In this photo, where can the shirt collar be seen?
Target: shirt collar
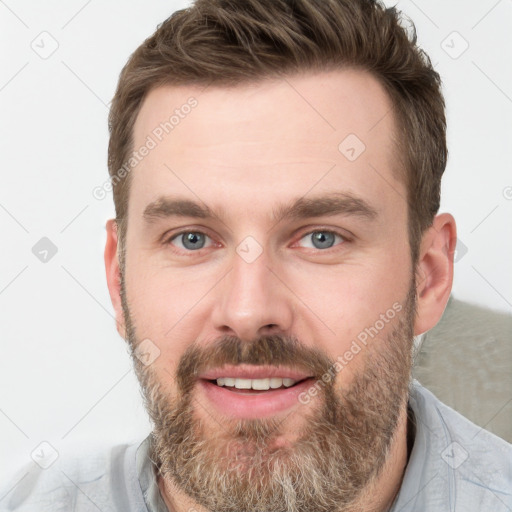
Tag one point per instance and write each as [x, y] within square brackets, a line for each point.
[427, 483]
[147, 474]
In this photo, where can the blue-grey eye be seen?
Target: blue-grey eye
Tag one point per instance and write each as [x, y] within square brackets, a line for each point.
[191, 240]
[320, 240]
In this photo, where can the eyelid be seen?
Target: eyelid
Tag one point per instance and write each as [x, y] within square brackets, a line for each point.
[179, 238]
[171, 234]
[308, 230]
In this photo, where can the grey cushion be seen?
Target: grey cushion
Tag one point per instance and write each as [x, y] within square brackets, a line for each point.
[466, 361]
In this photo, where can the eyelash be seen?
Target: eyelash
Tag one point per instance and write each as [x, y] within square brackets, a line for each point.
[343, 237]
[167, 240]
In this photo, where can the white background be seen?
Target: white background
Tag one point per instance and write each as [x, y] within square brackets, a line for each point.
[65, 374]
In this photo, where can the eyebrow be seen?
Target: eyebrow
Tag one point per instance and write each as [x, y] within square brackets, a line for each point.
[302, 208]
[329, 205]
[165, 207]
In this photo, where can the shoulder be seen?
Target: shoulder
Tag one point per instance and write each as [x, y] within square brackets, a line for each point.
[71, 483]
[474, 465]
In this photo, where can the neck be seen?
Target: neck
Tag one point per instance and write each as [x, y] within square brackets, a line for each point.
[377, 497]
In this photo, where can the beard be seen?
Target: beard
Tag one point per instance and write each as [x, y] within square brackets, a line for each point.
[242, 465]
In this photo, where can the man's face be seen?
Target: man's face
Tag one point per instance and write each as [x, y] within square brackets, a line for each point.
[267, 240]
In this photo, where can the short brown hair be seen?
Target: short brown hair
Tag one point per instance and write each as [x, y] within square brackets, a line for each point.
[230, 42]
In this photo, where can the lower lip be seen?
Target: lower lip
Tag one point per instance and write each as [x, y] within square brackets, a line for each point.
[251, 406]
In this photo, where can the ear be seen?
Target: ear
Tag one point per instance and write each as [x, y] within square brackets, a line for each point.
[434, 272]
[114, 275]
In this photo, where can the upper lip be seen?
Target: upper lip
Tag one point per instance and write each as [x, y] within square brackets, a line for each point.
[253, 372]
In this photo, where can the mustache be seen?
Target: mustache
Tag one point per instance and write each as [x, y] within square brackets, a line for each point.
[272, 350]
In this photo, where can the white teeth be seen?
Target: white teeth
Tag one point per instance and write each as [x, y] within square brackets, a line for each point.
[262, 384]
[228, 381]
[276, 383]
[257, 384]
[243, 383]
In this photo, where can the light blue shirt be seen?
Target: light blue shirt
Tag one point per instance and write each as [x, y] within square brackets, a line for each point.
[454, 466]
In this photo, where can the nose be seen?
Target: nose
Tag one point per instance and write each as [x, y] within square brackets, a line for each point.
[252, 301]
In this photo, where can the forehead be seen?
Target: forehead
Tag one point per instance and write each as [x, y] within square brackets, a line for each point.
[331, 131]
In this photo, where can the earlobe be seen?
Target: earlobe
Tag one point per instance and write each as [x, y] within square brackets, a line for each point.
[434, 272]
[113, 274]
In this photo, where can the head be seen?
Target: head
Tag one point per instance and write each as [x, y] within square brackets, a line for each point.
[276, 171]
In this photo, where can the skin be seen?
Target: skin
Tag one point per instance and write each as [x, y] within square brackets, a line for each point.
[248, 152]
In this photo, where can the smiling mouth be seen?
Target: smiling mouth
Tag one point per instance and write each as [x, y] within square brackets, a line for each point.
[253, 392]
[255, 386]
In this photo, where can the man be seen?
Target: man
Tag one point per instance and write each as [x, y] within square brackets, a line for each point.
[276, 169]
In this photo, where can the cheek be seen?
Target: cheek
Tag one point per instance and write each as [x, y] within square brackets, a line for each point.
[167, 305]
[166, 313]
[339, 303]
